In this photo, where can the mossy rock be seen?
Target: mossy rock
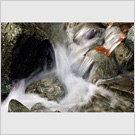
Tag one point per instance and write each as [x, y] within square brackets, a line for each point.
[49, 87]
[16, 106]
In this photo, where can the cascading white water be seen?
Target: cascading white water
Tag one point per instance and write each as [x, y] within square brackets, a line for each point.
[113, 38]
[78, 91]
[71, 65]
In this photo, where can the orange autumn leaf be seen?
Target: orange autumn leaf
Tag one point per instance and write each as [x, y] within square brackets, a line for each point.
[103, 50]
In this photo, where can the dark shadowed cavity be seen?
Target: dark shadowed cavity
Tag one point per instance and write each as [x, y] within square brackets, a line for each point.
[30, 55]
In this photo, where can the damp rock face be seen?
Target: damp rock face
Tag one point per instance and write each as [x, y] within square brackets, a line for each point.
[55, 32]
[24, 45]
[16, 106]
[106, 66]
[130, 39]
[9, 37]
[38, 107]
[122, 85]
[124, 56]
[49, 87]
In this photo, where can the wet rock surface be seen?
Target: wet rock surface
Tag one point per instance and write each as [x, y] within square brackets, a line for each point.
[122, 86]
[49, 87]
[124, 57]
[106, 66]
[16, 106]
[103, 104]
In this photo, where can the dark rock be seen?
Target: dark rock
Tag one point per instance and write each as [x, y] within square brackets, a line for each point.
[130, 39]
[106, 66]
[16, 106]
[49, 87]
[38, 107]
[124, 57]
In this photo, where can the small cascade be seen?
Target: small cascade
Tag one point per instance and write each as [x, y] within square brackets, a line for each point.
[113, 37]
[71, 65]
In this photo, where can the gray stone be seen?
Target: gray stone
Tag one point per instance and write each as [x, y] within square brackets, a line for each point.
[106, 66]
[130, 39]
[16, 106]
[124, 56]
[49, 87]
[122, 86]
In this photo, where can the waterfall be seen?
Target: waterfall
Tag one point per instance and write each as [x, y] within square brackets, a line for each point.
[71, 65]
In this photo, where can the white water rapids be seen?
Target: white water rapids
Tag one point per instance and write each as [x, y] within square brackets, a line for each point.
[71, 65]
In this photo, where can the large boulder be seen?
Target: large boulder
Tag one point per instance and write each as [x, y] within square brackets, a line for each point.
[49, 87]
[106, 66]
[124, 56]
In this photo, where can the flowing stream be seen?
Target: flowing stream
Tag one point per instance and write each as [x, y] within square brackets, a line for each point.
[71, 66]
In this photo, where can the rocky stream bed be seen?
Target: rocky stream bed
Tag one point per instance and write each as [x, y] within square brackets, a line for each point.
[28, 47]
